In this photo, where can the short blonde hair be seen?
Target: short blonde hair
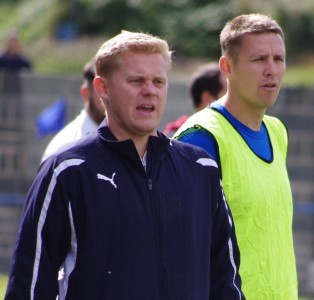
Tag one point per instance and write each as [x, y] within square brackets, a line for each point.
[107, 58]
[232, 34]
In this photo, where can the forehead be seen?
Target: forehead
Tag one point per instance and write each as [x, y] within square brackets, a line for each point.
[263, 43]
[140, 62]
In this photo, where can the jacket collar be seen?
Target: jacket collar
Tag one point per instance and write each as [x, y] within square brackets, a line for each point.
[158, 146]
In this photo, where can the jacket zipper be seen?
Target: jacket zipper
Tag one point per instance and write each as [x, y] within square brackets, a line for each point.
[150, 184]
[156, 231]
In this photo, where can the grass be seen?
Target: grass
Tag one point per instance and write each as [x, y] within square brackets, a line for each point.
[51, 57]
[301, 75]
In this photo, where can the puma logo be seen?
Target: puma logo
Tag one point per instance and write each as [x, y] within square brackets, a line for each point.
[103, 177]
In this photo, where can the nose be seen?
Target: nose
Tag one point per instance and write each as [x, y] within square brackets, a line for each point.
[149, 88]
[271, 68]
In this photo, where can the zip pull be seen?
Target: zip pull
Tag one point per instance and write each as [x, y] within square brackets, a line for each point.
[150, 184]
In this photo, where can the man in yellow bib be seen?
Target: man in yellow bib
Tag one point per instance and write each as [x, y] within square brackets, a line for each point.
[250, 149]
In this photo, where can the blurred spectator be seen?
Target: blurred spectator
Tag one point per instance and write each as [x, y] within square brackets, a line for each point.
[12, 63]
[206, 86]
[12, 59]
[86, 122]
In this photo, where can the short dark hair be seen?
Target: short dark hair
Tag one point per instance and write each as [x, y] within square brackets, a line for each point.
[206, 78]
[232, 34]
[89, 72]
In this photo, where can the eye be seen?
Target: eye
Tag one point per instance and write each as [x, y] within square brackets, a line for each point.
[279, 58]
[135, 81]
[159, 82]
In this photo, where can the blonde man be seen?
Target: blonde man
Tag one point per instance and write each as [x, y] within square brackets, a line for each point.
[119, 216]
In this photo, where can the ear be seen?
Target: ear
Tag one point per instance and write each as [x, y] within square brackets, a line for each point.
[85, 93]
[101, 87]
[225, 65]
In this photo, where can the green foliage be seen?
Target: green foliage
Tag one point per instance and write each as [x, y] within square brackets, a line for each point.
[299, 29]
[32, 18]
[193, 26]
[199, 30]
[111, 18]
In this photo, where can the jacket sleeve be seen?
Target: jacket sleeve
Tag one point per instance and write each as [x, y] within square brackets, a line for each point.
[225, 256]
[42, 242]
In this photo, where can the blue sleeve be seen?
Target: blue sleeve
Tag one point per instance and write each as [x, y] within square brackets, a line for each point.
[200, 137]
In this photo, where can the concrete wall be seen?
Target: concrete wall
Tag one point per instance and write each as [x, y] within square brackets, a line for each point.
[21, 150]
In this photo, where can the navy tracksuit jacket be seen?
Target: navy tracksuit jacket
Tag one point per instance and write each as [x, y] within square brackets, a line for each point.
[96, 225]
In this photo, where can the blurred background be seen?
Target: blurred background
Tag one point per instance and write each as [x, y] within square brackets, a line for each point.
[59, 36]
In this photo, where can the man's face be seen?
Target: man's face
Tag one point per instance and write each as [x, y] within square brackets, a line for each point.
[135, 95]
[13, 45]
[257, 73]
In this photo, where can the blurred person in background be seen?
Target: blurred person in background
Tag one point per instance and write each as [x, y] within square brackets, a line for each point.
[250, 148]
[12, 60]
[13, 63]
[207, 85]
[86, 122]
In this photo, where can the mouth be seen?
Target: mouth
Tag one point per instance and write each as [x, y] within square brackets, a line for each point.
[145, 108]
[269, 85]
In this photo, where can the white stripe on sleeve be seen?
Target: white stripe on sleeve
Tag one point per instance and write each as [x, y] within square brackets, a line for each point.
[43, 214]
[207, 162]
[69, 263]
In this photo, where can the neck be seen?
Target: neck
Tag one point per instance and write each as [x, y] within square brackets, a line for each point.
[141, 147]
[140, 142]
[249, 116]
[139, 138]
